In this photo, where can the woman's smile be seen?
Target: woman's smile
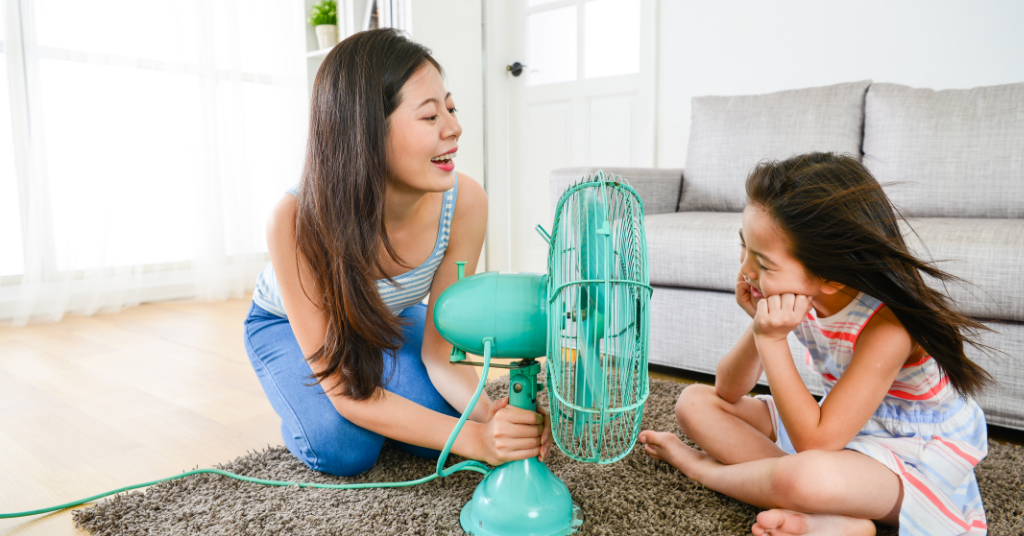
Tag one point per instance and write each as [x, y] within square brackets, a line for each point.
[444, 162]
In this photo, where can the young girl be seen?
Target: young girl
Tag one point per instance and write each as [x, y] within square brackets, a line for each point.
[337, 332]
[897, 435]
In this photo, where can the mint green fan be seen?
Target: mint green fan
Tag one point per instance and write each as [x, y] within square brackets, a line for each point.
[590, 316]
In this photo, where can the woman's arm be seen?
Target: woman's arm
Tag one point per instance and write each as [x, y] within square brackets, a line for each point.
[495, 441]
[308, 322]
[512, 436]
[456, 383]
[882, 348]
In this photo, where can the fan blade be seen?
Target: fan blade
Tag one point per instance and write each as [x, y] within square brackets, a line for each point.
[593, 251]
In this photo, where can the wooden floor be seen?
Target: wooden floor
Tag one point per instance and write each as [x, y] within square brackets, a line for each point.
[92, 404]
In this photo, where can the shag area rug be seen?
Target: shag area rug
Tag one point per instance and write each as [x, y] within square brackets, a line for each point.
[637, 495]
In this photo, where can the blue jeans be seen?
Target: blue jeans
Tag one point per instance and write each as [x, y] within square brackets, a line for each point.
[312, 428]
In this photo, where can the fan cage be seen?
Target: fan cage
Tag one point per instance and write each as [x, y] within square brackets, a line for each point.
[603, 429]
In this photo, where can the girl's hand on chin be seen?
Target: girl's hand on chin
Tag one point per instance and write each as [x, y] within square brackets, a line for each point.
[779, 314]
[743, 297]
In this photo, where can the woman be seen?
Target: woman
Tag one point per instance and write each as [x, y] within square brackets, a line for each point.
[336, 332]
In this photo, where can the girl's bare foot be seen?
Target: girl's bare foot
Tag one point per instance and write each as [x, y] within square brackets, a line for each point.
[779, 522]
[667, 447]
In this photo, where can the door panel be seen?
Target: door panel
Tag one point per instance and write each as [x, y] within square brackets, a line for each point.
[610, 123]
[548, 149]
[585, 98]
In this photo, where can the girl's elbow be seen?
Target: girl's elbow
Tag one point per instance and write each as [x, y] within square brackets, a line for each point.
[727, 392]
[729, 397]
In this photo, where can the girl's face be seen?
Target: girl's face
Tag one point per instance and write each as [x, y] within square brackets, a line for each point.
[765, 262]
[423, 134]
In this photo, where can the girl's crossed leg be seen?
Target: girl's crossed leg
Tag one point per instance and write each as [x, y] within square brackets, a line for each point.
[811, 492]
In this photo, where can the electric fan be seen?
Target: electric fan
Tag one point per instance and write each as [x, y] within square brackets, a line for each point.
[589, 315]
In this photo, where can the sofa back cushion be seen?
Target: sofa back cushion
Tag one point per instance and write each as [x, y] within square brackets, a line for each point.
[953, 153]
[730, 135]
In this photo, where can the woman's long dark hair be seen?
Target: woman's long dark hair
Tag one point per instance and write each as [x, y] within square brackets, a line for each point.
[843, 228]
[339, 223]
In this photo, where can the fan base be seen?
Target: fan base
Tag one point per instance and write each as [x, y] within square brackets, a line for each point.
[470, 528]
[521, 498]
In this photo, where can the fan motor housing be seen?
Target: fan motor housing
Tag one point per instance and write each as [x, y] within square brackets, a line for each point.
[509, 308]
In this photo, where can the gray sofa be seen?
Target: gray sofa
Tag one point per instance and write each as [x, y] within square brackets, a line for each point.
[952, 161]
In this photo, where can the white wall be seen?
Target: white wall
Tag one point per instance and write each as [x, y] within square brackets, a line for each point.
[452, 30]
[742, 47]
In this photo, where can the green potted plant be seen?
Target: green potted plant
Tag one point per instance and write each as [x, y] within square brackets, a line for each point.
[324, 19]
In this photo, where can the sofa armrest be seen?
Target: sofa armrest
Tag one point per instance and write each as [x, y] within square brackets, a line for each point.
[658, 188]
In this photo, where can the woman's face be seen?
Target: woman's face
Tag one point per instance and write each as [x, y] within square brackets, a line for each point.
[423, 134]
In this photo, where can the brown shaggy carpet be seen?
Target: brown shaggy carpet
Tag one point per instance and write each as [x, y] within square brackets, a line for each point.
[637, 495]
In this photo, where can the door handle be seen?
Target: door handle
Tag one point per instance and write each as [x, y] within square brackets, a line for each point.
[516, 68]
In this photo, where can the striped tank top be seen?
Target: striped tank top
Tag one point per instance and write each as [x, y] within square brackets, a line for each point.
[408, 289]
[919, 389]
[923, 430]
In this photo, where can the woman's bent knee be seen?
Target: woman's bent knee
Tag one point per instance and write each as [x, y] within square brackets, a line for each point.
[339, 462]
[323, 449]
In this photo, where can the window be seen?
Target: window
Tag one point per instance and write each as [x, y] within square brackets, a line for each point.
[159, 134]
[610, 45]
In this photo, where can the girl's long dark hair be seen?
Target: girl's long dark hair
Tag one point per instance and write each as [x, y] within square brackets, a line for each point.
[843, 228]
[339, 223]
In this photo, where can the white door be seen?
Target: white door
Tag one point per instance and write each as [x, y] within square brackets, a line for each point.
[584, 98]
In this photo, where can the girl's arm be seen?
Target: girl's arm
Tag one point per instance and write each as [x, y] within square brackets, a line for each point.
[737, 373]
[882, 347]
[509, 436]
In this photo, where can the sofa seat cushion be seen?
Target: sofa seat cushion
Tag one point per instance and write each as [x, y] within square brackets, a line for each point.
[955, 153]
[730, 135]
[701, 250]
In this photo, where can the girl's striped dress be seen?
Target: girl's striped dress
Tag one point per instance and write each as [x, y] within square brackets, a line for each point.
[923, 431]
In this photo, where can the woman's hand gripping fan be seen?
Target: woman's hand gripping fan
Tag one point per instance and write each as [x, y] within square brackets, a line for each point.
[515, 434]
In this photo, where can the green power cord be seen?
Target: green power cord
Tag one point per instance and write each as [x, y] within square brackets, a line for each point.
[468, 465]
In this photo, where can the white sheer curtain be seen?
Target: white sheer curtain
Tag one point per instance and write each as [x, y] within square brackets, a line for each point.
[143, 146]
